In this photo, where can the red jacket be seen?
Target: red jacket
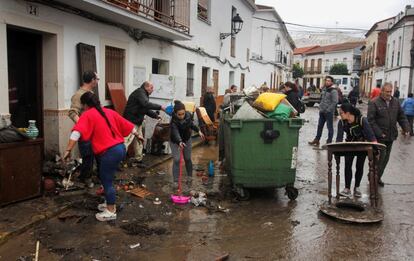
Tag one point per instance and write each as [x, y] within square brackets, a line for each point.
[375, 92]
[92, 126]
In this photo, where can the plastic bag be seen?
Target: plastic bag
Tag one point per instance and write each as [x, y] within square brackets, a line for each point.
[268, 101]
[282, 112]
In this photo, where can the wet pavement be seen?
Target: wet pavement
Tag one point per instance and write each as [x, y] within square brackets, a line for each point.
[267, 227]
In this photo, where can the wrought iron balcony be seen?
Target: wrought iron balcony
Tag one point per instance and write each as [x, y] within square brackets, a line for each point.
[171, 13]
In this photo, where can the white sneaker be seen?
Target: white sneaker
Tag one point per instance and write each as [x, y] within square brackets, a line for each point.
[102, 207]
[106, 215]
[357, 192]
[346, 193]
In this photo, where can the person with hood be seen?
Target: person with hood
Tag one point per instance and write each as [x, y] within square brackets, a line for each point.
[408, 107]
[292, 96]
[106, 130]
[139, 105]
[180, 140]
[357, 128]
[209, 103]
[327, 107]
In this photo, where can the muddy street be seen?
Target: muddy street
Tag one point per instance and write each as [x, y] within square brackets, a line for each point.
[267, 227]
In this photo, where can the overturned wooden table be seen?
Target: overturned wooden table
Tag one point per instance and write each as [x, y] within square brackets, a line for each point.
[365, 213]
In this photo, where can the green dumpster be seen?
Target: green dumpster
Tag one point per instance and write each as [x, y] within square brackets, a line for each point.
[262, 153]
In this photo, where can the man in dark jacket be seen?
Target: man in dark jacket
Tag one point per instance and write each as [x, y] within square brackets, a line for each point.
[353, 96]
[137, 107]
[383, 114]
[327, 107]
[209, 103]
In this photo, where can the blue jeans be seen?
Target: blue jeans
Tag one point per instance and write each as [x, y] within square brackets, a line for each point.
[328, 118]
[85, 150]
[108, 165]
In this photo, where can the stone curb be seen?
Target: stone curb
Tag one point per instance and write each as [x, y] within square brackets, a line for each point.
[37, 219]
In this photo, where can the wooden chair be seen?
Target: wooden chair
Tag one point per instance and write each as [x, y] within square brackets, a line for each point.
[207, 127]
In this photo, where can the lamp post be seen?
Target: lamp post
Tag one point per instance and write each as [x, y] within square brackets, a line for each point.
[236, 26]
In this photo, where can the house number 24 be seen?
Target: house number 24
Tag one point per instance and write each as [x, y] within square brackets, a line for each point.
[33, 10]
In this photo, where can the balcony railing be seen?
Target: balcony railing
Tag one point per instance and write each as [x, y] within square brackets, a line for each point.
[172, 13]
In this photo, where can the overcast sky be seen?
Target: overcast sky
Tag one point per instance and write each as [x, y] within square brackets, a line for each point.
[348, 13]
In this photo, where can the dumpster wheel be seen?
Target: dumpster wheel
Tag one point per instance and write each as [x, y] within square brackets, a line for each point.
[291, 192]
[242, 194]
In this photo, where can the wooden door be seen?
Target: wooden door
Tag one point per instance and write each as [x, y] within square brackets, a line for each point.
[86, 61]
[215, 81]
[242, 81]
[114, 67]
[204, 77]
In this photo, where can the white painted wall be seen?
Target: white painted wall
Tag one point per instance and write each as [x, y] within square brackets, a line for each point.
[263, 43]
[63, 31]
[399, 73]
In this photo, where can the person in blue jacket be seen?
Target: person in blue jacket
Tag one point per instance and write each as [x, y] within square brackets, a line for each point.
[408, 107]
[357, 128]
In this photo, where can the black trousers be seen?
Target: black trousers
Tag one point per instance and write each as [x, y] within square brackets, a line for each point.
[359, 169]
[410, 119]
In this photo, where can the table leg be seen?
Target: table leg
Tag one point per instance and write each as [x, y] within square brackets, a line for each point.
[338, 163]
[376, 178]
[329, 177]
[371, 177]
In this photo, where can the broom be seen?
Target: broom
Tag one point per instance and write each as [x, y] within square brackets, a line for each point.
[179, 198]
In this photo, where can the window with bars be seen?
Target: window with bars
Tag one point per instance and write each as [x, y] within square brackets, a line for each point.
[160, 66]
[190, 79]
[203, 10]
[114, 67]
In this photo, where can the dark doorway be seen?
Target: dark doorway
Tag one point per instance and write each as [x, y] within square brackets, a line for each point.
[204, 77]
[24, 57]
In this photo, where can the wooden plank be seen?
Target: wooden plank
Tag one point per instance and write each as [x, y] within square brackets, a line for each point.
[117, 93]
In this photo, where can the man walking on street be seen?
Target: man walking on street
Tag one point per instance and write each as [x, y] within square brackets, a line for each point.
[383, 114]
[90, 81]
[327, 107]
[137, 107]
[396, 93]
[408, 107]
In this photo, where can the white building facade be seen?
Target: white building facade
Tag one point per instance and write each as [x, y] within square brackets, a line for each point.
[182, 54]
[400, 52]
[271, 49]
[317, 61]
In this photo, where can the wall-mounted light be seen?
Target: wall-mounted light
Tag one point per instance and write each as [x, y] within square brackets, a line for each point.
[236, 26]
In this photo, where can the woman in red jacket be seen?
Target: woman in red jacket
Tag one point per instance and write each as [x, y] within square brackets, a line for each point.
[106, 130]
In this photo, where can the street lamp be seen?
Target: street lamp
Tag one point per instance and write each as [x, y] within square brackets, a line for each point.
[236, 26]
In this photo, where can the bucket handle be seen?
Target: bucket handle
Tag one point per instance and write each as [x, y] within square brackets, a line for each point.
[295, 122]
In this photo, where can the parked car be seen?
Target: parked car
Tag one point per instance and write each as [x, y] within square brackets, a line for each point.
[311, 96]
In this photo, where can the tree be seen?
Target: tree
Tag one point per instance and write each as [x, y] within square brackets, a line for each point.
[339, 69]
[297, 71]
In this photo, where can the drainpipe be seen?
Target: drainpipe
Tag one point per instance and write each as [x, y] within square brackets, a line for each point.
[410, 79]
[401, 55]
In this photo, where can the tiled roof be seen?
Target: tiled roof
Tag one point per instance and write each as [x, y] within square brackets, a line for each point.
[304, 49]
[335, 47]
